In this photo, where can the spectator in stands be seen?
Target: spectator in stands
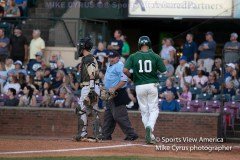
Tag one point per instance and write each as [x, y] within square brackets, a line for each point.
[30, 82]
[37, 44]
[28, 99]
[230, 67]
[38, 79]
[193, 68]
[9, 64]
[73, 82]
[169, 87]
[12, 10]
[44, 65]
[47, 94]
[22, 5]
[163, 43]
[186, 95]
[101, 55]
[11, 100]
[168, 51]
[207, 51]
[78, 74]
[213, 87]
[22, 80]
[2, 5]
[235, 79]
[47, 73]
[182, 65]
[58, 80]
[18, 46]
[3, 75]
[53, 61]
[133, 105]
[79, 66]
[190, 48]
[217, 65]
[64, 100]
[60, 66]
[35, 64]
[4, 43]
[12, 83]
[116, 43]
[126, 47]
[18, 69]
[169, 67]
[200, 64]
[66, 85]
[200, 80]
[186, 77]
[232, 50]
[229, 89]
[169, 103]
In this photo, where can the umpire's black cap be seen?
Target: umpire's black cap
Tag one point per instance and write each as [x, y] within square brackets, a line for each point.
[113, 54]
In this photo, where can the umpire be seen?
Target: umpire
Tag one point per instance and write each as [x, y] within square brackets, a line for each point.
[116, 112]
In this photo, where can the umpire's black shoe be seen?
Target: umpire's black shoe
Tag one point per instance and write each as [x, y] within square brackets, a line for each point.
[132, 138]
[107, 138]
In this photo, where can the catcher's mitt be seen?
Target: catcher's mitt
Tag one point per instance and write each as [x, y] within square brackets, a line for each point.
[106, 95]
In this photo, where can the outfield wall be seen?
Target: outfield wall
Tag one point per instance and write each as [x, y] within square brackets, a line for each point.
[51, 122]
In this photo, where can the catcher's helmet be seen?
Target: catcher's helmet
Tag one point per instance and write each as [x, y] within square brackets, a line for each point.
[85, 43]
[144, 40]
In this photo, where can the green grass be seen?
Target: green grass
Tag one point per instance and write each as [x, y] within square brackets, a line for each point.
[95, 158]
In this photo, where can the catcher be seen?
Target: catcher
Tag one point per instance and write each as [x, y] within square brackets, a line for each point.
[116, 99]
[87, 103]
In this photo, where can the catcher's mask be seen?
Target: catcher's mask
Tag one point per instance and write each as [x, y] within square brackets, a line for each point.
[84, 44]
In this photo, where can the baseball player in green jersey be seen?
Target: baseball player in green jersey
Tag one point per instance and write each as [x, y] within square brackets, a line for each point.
[146, 65]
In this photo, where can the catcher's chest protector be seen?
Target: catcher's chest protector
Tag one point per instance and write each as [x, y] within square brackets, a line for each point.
[87, 61]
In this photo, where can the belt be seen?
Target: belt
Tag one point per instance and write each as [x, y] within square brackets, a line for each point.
[87, 83]
[83, 85]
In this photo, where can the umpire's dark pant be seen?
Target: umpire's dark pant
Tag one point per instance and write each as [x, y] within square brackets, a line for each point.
[116, 114]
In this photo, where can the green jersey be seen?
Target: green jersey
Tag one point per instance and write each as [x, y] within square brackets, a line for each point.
[145, 66]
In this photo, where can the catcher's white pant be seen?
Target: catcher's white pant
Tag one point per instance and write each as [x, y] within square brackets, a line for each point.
[147, 95]
[84, 93]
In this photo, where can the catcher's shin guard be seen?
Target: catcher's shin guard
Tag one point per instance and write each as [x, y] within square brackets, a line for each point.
[97, 127]
[82, 132]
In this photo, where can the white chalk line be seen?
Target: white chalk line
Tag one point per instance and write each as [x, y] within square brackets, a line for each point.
[81, 149]
[68, 150]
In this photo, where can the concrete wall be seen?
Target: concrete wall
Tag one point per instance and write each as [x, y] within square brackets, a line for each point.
[66, 54]
[63, 123]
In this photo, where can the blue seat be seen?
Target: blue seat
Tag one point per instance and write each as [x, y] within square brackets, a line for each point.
[179, 89]
[162, 78]
[204, 96]
[236, 98]
[195, 90]
[224, 97]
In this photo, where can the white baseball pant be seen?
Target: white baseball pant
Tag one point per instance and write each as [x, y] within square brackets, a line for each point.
[147, 95]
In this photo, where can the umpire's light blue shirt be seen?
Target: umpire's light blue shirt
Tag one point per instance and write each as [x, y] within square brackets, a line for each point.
[114, 75]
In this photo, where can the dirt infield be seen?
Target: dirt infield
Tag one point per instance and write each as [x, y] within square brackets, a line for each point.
[32, 147]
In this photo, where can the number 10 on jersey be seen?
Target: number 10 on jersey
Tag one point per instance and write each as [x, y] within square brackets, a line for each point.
[145, 66]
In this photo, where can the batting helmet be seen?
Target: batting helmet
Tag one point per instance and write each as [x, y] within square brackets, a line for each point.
[144, 40]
